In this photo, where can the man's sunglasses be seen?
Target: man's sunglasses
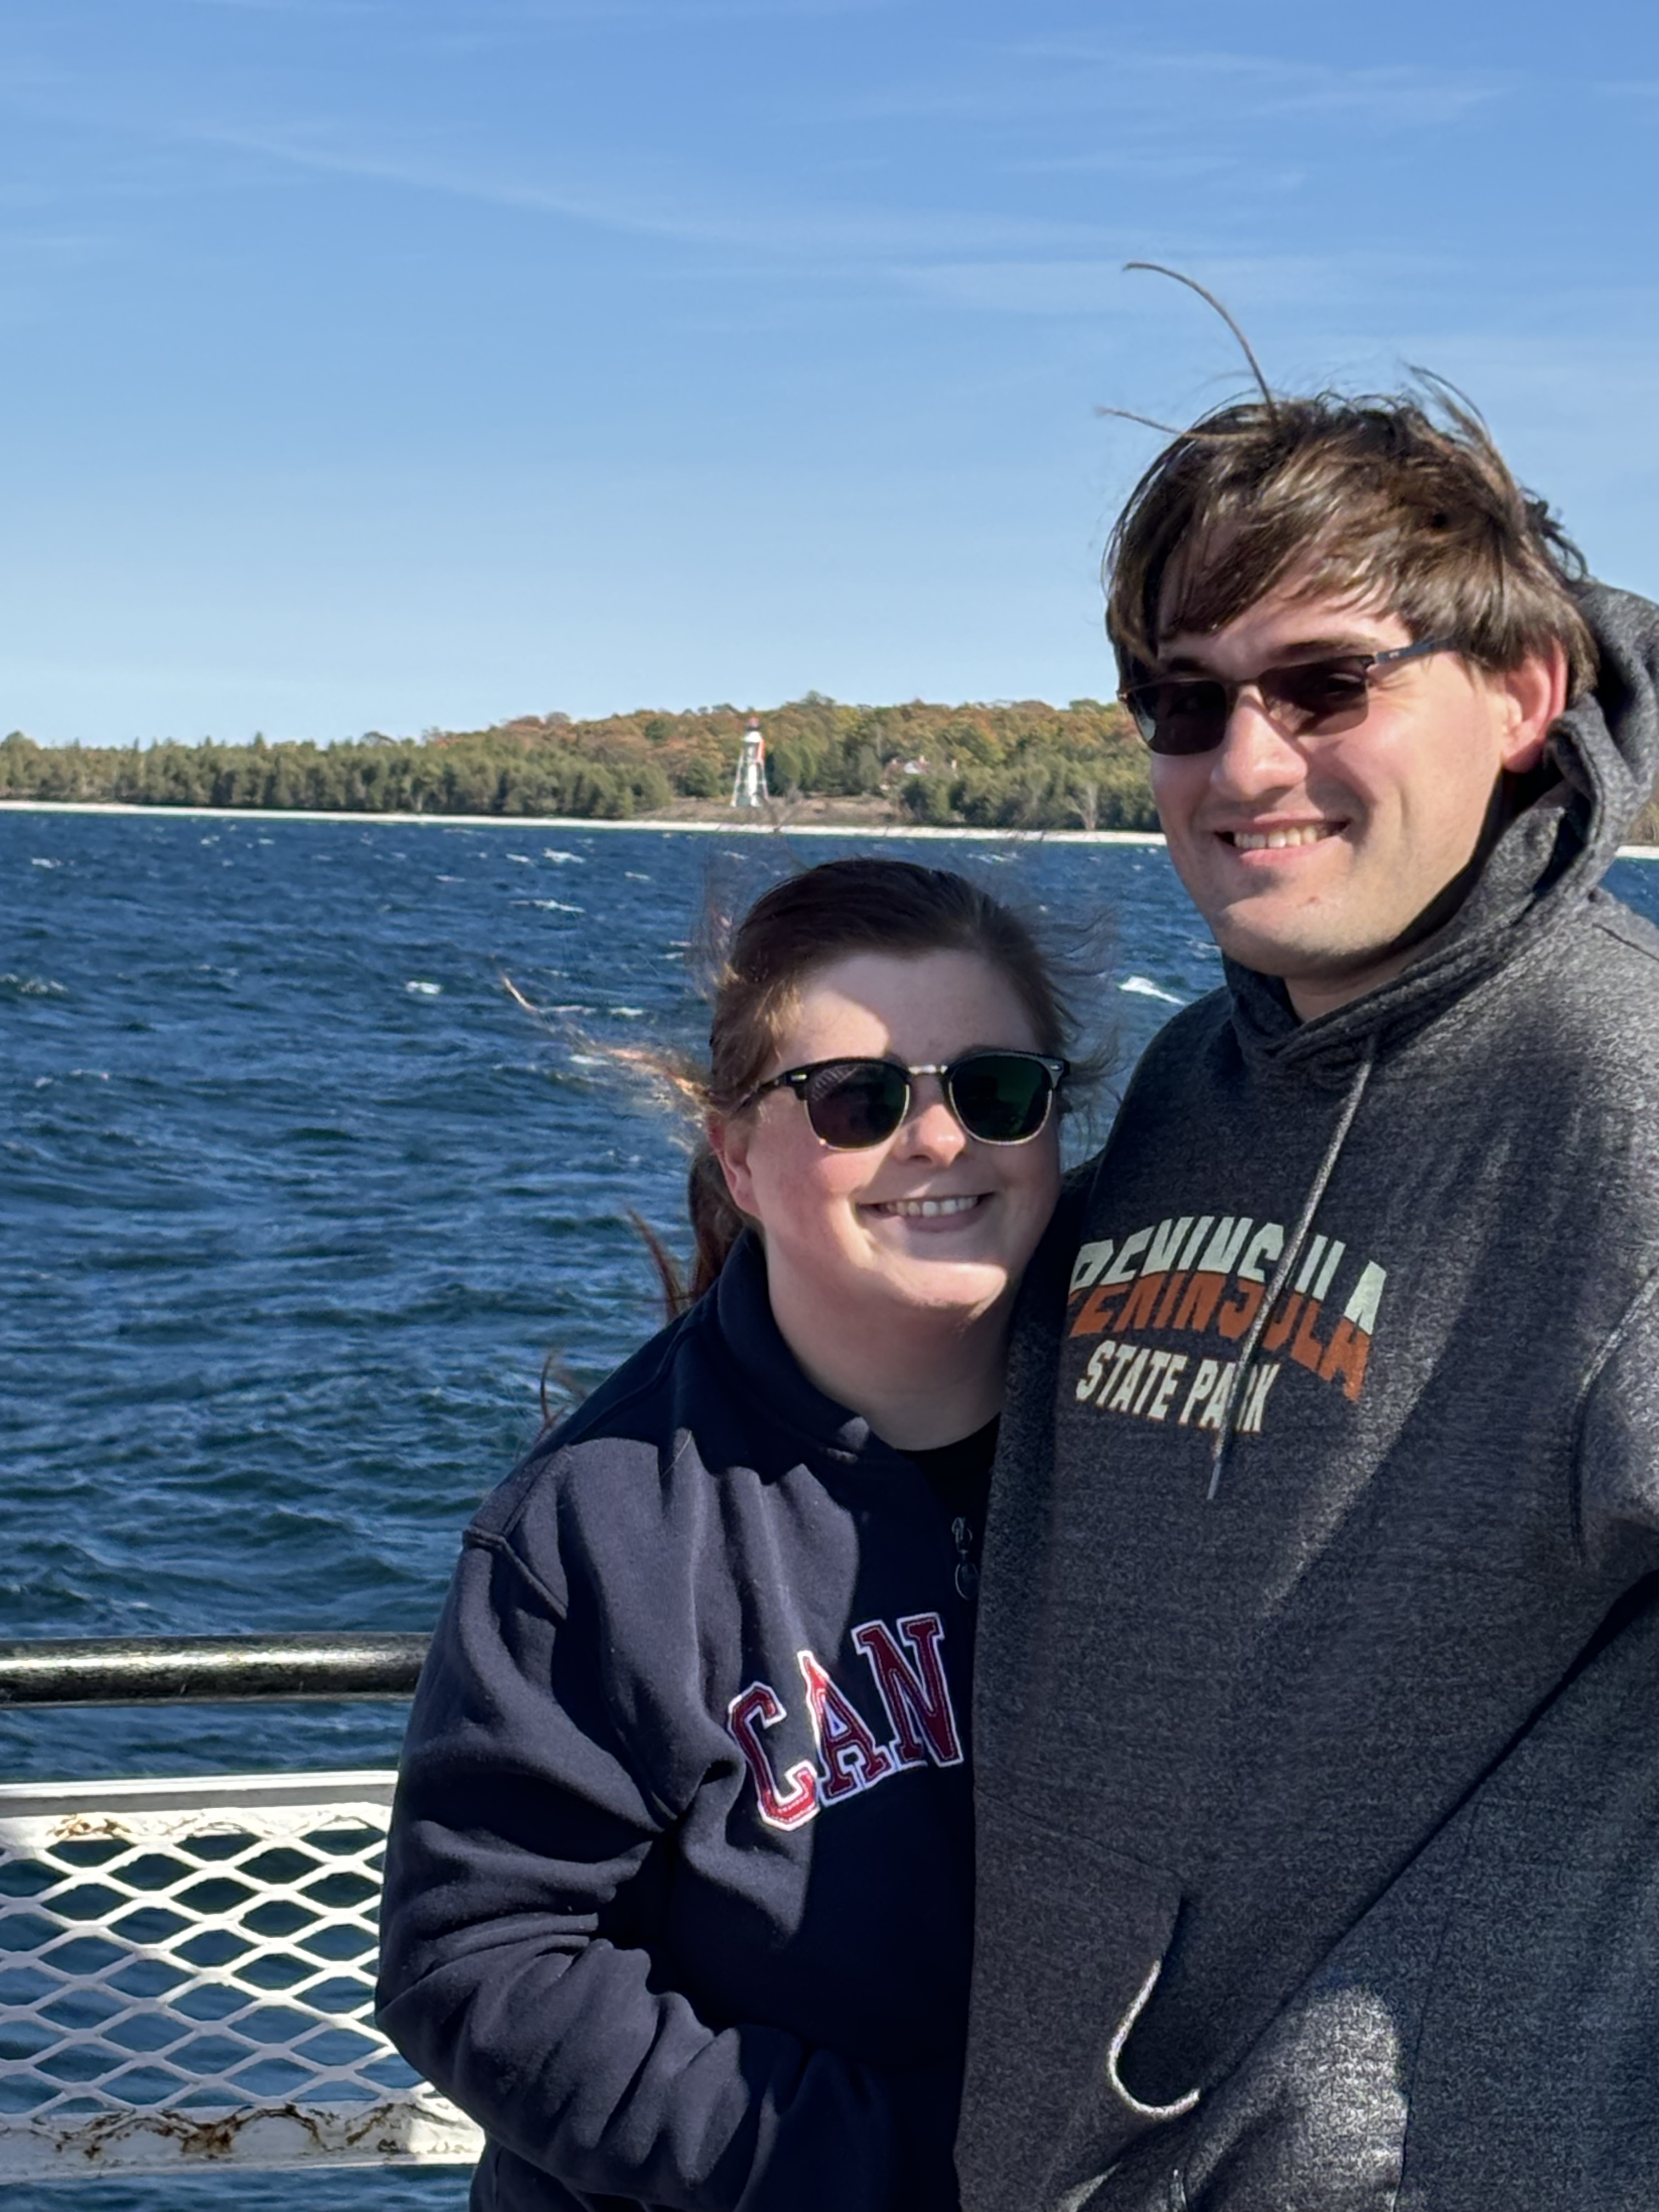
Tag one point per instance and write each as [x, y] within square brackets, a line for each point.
[999, 1097]
[1181, 714]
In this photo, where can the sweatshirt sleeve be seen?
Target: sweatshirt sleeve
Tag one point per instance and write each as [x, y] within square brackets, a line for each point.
[1617, 1455]
[515, 1967]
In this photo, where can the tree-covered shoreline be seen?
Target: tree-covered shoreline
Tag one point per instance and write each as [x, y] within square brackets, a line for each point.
[1022, 765]
[1018, 765]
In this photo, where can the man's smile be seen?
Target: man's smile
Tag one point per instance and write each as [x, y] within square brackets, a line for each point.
[1277, 840]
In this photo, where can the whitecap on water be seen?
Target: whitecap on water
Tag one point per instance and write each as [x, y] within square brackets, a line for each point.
[523, 860]
[563, 859]
[32, 987]
[548, 906]
[1144, 987]
[587, 1060]
[39, 863]
[418, 989]
[629, 1013]
[634, 876]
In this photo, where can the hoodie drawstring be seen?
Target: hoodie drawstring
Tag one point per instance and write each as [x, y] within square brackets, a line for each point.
[1282, 1273]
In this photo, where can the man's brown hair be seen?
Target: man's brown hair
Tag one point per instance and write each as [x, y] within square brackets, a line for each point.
[1399, 502]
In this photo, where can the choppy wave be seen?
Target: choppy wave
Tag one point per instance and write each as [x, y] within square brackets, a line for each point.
[1143, 987]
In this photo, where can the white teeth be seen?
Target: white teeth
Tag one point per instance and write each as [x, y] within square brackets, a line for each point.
[927, 1207]
[1270, 840]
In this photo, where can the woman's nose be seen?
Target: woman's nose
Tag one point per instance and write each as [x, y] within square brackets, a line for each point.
[930, 1130]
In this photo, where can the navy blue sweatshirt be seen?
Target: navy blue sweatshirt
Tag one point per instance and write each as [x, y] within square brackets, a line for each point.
[679, 1892]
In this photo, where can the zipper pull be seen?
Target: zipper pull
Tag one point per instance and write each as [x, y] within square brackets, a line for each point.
[967, 1575]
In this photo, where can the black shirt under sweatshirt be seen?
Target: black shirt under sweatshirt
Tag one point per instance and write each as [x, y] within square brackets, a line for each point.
[678, 1891]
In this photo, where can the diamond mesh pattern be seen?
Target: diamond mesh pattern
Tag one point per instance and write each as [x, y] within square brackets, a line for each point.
[186, 1976]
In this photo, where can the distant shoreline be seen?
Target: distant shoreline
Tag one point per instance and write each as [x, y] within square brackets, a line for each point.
[714, 824]
[734, 823]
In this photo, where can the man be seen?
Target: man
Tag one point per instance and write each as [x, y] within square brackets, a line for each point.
[1317, 1693]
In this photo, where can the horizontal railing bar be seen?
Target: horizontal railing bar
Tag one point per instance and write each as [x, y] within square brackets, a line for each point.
[145, 1670]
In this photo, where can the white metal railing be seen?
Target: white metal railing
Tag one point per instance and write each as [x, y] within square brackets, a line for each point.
[187, 1979]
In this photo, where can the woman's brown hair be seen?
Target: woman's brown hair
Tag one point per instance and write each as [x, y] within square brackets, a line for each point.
[827, 913]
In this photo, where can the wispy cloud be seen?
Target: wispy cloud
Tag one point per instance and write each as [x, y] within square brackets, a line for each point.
[1058, 286]
[1136, 89]
[671, 208]
[1127, 162]
[1400, 95]
[1553, 372]
[696, 11]
[996, 258]
[485, 15]
[316, 10]
[686, 11]
[1017, 287]
[663, 192]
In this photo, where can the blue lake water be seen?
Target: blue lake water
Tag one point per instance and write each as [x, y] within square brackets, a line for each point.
[294, 1200]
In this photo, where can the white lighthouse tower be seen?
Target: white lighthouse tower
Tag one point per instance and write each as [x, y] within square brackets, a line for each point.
[749, 784]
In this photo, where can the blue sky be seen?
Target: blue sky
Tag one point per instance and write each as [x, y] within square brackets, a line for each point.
[393, 363]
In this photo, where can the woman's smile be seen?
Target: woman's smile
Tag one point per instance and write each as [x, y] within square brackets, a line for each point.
[951, 1209]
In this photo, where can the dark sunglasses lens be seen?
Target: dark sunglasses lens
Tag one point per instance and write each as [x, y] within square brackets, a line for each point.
[1320, 696]
[1000, 1098]
[855, 1103]
[1180, 717]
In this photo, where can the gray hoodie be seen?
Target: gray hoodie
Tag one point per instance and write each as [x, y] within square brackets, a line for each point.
[1317, 1708]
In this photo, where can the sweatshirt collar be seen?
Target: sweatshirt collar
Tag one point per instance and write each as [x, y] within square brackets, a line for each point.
[754, 1344]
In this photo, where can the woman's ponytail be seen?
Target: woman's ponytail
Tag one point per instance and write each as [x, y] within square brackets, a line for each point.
[716, 1223]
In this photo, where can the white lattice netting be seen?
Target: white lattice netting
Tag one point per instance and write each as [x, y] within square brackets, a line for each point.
[186, 1976]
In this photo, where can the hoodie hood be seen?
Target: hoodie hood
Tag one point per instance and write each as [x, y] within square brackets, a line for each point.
[1604, 752]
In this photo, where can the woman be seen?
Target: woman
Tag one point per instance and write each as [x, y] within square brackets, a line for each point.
[678, 1891]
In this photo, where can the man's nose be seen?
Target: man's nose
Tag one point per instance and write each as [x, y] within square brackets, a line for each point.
[1254, 754]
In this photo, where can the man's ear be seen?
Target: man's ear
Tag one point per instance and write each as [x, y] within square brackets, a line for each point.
[729, 1143]
[1534, 697]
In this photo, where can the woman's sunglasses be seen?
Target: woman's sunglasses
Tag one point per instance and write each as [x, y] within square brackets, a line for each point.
[1182, 714]
[999, 1097]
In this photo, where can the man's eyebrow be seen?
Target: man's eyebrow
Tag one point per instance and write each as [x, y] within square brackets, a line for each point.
[1304, 648]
